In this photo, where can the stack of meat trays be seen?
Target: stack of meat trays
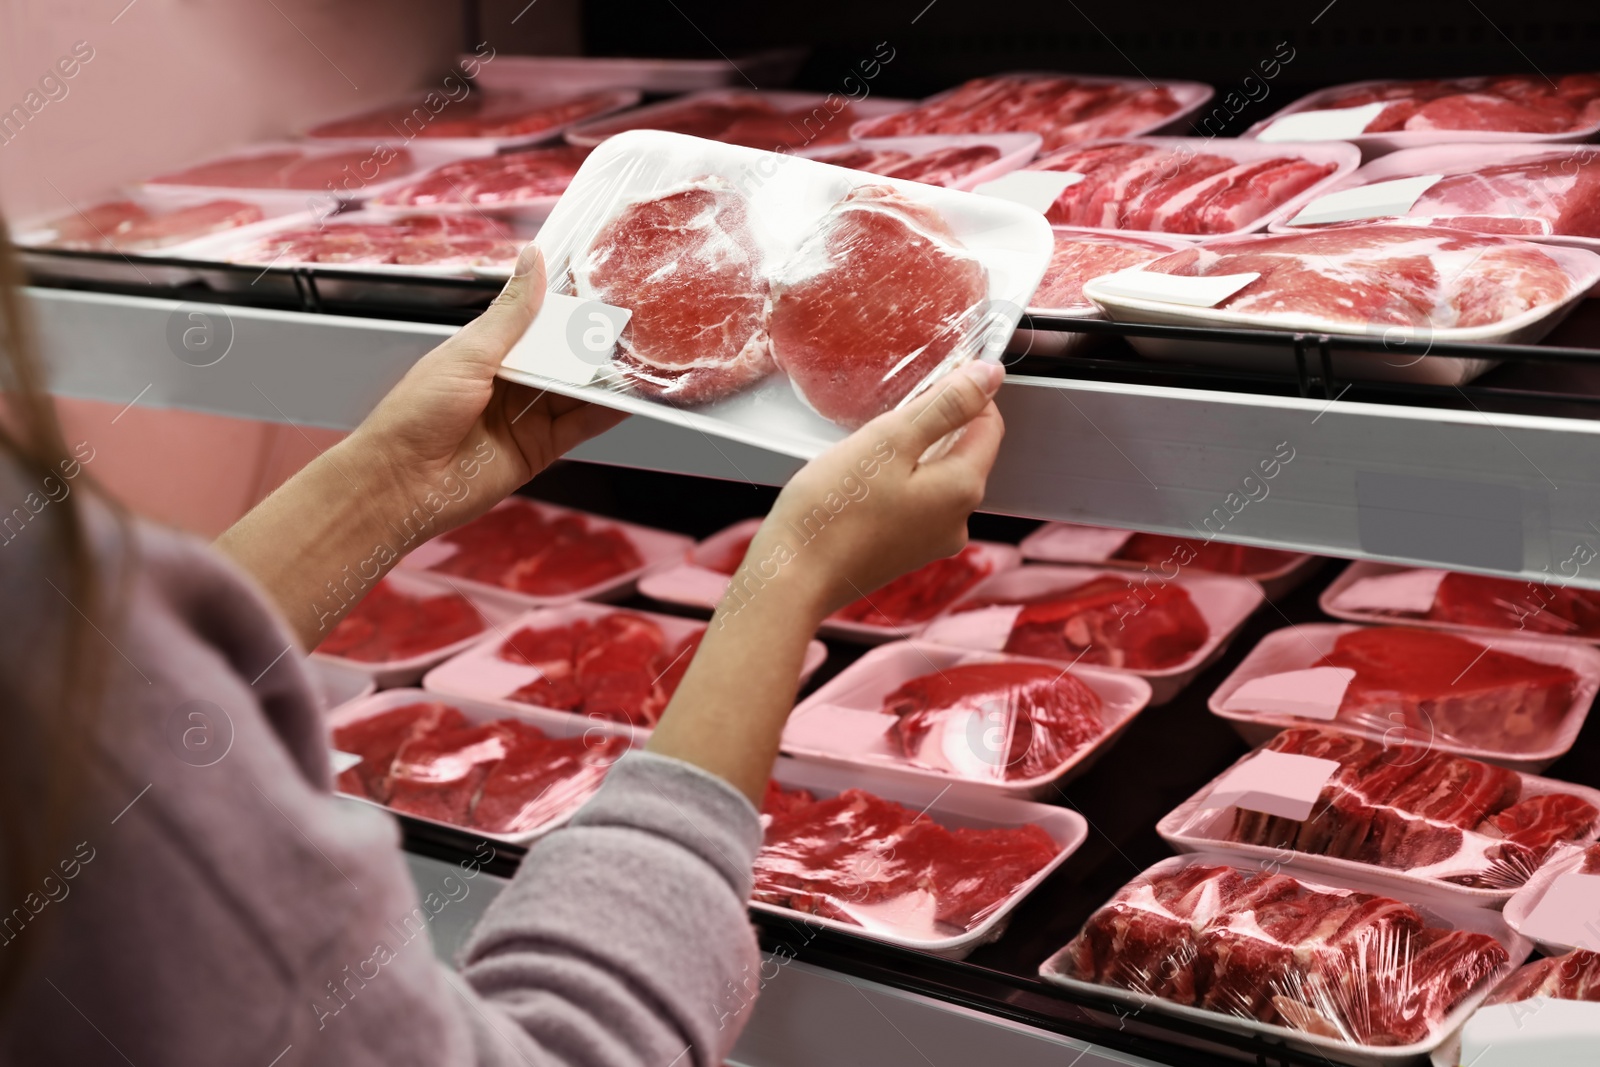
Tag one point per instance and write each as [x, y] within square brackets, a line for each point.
[978, 722]
[602, 663]
[1557, 908]
[955, 161]
[1463, 603]
[1517, 702]
[770, 120]
[1337, 967]
[1402, 814]
[402, 626]
[469, 766]
[1276, 571]
[523, 555]
[1163, 631]
[899, 609]
[902, 862]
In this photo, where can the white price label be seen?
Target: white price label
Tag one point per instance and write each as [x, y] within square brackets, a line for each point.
[1547, 1031]
[1314, 693]
[1410, 591]
[342, 761]
[1068, 542]
[571, 340]
[1036, 189]
[1274, 783]
[1200, 292]
[836, 728]
[430, 554]
[987, 629]
[1568, 913]
[1380, 200]
[686, 583]
[483, 675]
[1335, 124]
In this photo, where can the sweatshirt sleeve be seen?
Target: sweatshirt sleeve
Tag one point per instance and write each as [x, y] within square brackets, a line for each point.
[623, 938]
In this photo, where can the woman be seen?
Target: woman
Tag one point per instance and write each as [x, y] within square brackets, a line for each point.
[178, 903]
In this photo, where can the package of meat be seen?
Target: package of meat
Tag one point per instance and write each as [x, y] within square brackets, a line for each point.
[1543, 193]
[1193, 186]
[1061, 108]
[649, 74]
[1383, 116]
[597, 662]
[1400, 813]
[955, 161]
[774, 300]
[339, 683]
[1340, 968]
[524, 554]
[1163, 631]
[525, 184]
[1513, 701]
[404, 625]
[508, 777]
[1275, 570]
[1559, 908]
[1546, 1013]
[1407, 286]
[899, 609]
[847, 849]
[479, 121]
[307, 177]
[1459, 602]
[778, 121]
[982, 722]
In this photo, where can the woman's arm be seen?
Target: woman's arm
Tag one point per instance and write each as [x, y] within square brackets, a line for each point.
[446, 444]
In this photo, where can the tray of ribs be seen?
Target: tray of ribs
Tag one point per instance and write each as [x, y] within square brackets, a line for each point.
[601, 663]
[902, 862]
[897, 610]
[1517, 702]
[1400, 813]
[470, 766]
[1333, 967]
[1480, 604]
[1276, 571]
[1575, 874]
[403, 626]
[522, 554]
[1163, 631]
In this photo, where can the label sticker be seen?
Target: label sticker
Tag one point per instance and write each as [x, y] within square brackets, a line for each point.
[484, 675]
[1410, 591]
[1380, 200]
[342, 761]
[1274, 783]
[1568, 913]
[1036, 189]
[1548, 1031]
[1314, 693]
[836, 728]
[1334, 124]
[571, 340]
[430, 554]
[1069, 542]
[1136, 284]
[987, 629]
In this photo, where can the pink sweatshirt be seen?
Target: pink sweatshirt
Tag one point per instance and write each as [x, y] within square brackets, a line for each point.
[223, 908]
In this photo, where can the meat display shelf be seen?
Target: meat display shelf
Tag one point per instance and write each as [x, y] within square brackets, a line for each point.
[1501, 476]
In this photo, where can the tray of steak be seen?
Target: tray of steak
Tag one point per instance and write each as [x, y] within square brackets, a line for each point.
[773, 120]
[1401, 813]
[403, 626]
[901, 861]
[526, 184]
[1163, 631]
[1332, 967]
[1516, 702]
[476, 122]
[1465, 603]
[955, 161]
[1275, 570]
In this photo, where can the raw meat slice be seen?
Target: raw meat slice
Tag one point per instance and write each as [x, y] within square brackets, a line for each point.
[686, 263]
[1422, 823]
[779, 131]
[482, 114]
[877, 300]
[1512, 104]
[1079, 257]
[1574, 976]
[618, 668]
[437, 774]
[972, 872]
[1110, 621]
[389, 625]
[1538, 823]
[464, 240]
[1042, 715]
[260, 170]
[1482, 111]
[945, 166]
[294, 168]
[379, 738]
[1365, 276]
[871, 160]
[1212, 556]
[122, 225]
[920, 595]
[541, 778]
[498, 180]
[1436, 686]
[515, 547]
[1513, 604]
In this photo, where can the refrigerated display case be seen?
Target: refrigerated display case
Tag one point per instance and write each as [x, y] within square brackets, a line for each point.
[1496, 474]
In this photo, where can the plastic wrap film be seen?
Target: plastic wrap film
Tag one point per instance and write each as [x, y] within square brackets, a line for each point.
[1511, 104]
[1405, 808]
[501, 777]
[389, 625]
[1572, 976]
[506, 180]
[1262, 945]
[541, 551]
[860, 859]
[620, 667]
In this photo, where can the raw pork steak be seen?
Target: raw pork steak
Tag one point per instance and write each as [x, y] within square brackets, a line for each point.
[878, 298]
[685, 262]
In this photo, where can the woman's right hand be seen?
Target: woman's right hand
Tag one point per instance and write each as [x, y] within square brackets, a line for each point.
[872, 508]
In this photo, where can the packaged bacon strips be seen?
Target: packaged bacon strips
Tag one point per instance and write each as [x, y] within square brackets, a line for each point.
[770, 299]
[1323, 963]
[1469, 828]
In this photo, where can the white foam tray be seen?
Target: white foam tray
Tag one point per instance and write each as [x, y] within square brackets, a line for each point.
[864, 684]
[1066, 827]
[338, 684]
[1522, 903]
[1435, 910]
[593, 132]
[1223, 601]
[1299, 647]
[1016, 149]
